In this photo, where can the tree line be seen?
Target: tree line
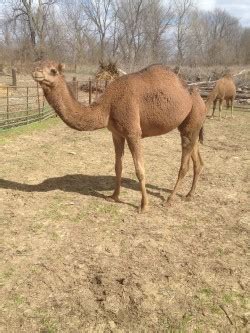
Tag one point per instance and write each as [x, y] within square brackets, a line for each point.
[133, 32]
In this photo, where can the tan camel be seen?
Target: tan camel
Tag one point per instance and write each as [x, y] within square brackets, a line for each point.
[151, 102]
[224, 90]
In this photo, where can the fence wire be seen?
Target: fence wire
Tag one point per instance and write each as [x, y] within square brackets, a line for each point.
[23, 105]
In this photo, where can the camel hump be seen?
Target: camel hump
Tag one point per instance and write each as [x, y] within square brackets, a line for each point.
[193, 90]
[156, 68]
[228, 76]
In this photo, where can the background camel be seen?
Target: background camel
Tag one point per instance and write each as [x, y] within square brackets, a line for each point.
[150, 102]
[224, 90]
[107, 71]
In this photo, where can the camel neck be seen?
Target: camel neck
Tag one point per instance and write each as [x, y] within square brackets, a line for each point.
[73, 113]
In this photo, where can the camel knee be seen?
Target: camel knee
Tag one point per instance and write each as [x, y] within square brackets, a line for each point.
[183, 170]
[140, 174]
[198, 168]
[118, 166]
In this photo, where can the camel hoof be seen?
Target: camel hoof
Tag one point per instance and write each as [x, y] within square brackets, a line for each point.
[142, 210]
[112, 198]
[168, 202]
[188, 197]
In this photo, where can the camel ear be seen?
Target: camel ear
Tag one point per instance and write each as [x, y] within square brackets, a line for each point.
[61, 68]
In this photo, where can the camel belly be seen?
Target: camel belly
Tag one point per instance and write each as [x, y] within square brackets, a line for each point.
[162, 121]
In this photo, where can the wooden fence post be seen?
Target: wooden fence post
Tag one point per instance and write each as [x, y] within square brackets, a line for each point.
[90, 91]
[7, 109]
[96, 89]
[14, 81]
[27, 105]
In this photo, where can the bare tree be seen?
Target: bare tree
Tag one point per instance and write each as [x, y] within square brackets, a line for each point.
[33, 14]
[135, 32]
[245, 46]
[131, 34]
[157, 20]
[100, 14]
[182, 11]
[223, 34]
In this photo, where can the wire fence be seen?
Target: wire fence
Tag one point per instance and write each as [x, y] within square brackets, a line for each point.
[20, 105]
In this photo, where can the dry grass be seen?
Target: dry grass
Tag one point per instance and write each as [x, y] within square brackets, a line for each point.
[73, 262]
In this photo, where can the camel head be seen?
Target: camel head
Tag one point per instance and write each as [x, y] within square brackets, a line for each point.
[48, 73]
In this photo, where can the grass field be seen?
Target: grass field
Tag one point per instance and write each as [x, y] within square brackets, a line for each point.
[73, 262]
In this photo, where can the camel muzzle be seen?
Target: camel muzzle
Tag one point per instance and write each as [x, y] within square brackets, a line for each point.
[38, 76]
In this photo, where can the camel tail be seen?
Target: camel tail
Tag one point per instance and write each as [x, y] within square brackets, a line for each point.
[201, 135]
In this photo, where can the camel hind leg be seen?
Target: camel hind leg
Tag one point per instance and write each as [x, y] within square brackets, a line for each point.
[197, 166]
[119, 152]
[228, 105]
[135, 147]
[187, 143]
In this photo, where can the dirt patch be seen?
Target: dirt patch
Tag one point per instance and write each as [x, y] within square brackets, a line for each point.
[73, 262]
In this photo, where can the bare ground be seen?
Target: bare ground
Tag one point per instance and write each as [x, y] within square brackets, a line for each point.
[73, 262]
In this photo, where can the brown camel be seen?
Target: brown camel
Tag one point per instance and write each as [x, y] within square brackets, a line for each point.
[224, 90]
[150, 102]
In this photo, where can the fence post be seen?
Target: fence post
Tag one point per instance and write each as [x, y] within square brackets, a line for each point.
[90, 91]
[38, 101]
[14, 82]
[7, 109]
[96, 89]
[77, 96]
[43, 103]
[74, 87]
[27, 105]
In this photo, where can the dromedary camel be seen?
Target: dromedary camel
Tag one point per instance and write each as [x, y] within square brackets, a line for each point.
[150, 102]
[224, 90]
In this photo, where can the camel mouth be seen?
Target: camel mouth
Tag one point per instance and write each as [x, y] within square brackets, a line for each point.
[38, 77]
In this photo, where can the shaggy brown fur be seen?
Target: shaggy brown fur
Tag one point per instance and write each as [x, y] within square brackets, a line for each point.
[107, 71]
[151, 102]
[224, 90]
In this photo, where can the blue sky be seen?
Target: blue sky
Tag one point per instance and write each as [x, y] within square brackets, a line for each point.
[237, 8]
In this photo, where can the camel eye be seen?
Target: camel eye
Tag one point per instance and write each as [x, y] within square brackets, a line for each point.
[53, 71]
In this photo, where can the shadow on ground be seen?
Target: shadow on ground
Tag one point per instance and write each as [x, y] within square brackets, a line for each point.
[82, 184]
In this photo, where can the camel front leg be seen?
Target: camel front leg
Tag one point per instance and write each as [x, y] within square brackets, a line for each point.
[232, 108]
[227, 101]
[220, 107]
[119, 142]
[135, 147]
[214, 107]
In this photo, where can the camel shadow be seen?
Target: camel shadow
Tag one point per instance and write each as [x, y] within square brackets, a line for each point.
[82, 184]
